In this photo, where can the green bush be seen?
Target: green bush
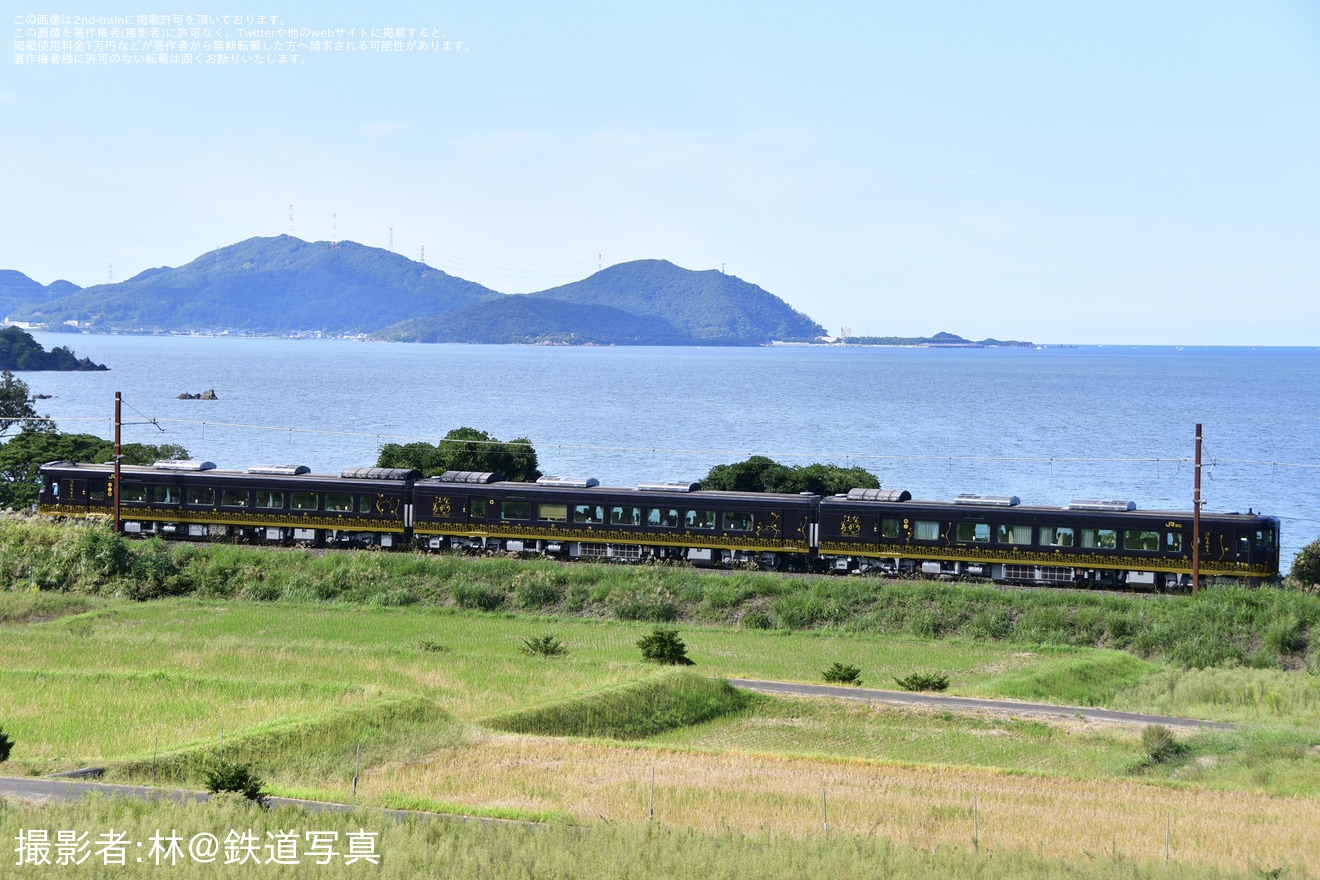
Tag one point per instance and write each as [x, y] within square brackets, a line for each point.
[646, 602]
[537, 588]
[544, 646]
[664, 646]
[838, 673]
[6, 746]
[432, 646]
[1159, 744]
[478, 595]
[756, 619]
[230, 776]
[923, 681]
[1305, 574]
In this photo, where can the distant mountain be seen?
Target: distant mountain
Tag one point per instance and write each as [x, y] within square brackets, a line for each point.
[21, 353]
[939, 340]
[17, 291]
[711, 307]
[525, 319]
[283, 285]
[267, 285]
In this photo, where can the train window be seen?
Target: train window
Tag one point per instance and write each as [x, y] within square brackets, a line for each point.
[515, 510]
[338, 502]
[133, 493]
[1104, 539]
[201, 495]
[667, 518]
[234, 498]
[1137, 539]
[1243, 542]
[889, 526]
[366, 504]
[96, 489]
[700, 519]
[166, 494]
[588, 513]
[626, 516]
[303, 501]
[1014, 534]
[552, 512]
[270, 499]
[1056, 536]
[1173, 542]
[737, 521]
[1265, 538]
[925, 530]
[970, 531]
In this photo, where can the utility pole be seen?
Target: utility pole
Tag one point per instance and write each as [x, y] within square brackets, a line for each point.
[119, 399]
[1196, 518]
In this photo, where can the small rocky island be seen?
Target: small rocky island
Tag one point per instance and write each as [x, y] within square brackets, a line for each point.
[20, 352]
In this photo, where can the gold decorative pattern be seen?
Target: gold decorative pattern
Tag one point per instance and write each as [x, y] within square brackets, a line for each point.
[1057, 558]
[851, 527]
[441, 508]
[207, 517]
[612, 536]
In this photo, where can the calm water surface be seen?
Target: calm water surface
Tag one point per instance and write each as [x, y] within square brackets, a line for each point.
[1047, 425]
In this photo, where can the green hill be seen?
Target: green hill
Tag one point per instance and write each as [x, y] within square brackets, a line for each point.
[17, 291]
[528, 320]
[268, 285]
[709, 306]
[20, 352]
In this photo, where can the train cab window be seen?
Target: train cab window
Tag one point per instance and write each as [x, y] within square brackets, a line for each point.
[625, 516]
[925, 530]
[1173, 542]
[1265, 539]
[201, 496]
[1138, 539]
[552, 512]
[700, 519]
[889, 527]
[96, 489]
[515, 510]
[591, 514]
[338, 502]
[166, 494]
[132, 494]
[270, 499]
[1056, 536]
[1014, 534]
[234, 498]
[1102, 539]
[974, 532]
[663, 517]
[737, 521]
[303, 501]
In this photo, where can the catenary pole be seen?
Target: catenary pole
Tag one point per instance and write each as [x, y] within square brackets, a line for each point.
[1196, 518]
[119, 399]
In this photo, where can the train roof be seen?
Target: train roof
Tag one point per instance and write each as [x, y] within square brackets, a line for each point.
[1003, 504]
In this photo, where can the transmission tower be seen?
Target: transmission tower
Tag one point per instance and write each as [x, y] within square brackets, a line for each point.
[290, 221]
[334, 232]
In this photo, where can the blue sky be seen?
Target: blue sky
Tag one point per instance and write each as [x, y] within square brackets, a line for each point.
[1063, 172]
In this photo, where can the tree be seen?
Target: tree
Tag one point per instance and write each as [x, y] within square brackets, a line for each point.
[466, 449]
[761, 474]
[6, 746]
[15, 407]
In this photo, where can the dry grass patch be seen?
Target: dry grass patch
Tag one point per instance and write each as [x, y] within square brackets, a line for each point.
[925, 807]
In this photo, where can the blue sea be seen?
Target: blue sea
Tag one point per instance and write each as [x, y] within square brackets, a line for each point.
[1048, 424]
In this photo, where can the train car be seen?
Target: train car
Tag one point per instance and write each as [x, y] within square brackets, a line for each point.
[580, 519]
[266, 503]
[1086, 543]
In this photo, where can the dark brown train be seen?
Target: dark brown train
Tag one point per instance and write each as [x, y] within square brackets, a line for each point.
[1086, 543]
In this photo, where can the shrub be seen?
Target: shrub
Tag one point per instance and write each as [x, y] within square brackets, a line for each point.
[924, 681]
[544, 646]
[646, 602]
[6, 746]
[756, 619]
[1159, 744]
[664, 646]
[1305, 572]
[538, 588]
[482, 596]
[231, 776]
[432, 646]
[838, 673]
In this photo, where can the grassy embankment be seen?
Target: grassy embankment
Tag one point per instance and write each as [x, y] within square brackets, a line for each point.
[296, 685]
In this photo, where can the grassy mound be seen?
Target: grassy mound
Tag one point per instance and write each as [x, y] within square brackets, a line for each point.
[319, 748]
[633, 711]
